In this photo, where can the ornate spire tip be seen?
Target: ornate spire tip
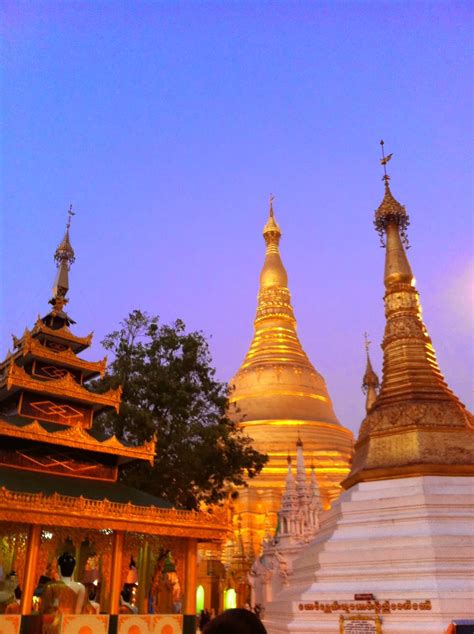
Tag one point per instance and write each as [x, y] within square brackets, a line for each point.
[272, 198]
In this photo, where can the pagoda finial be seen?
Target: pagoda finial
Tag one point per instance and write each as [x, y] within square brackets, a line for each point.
[390, 211]
[370, 382]
[299, 442]
[271, 231]
[65, 253]
[383, 161]
[64, 256]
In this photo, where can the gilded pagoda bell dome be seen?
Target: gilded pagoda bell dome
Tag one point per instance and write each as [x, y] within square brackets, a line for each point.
[276, 379]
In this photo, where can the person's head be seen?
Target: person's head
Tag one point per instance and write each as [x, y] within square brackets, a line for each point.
[66, 563]
[17, 592]
[235, 621]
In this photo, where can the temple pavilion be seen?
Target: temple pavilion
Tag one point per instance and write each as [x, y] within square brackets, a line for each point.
[59, 479]
[278, 396]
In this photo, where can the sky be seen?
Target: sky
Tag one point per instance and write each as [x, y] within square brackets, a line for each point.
[168, 124]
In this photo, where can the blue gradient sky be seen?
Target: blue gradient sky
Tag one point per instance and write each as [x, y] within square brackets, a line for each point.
[167, 124]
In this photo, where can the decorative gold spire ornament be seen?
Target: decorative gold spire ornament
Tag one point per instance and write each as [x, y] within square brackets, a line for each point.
[416, 425]
[64, 256]
[370, 382]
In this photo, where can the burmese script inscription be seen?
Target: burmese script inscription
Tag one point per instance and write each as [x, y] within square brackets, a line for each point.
[360, 624]
[359, 627]
[383, 606]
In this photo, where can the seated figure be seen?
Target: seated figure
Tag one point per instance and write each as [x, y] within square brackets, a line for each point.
[62, 597]
[126, 606]
[14, 606]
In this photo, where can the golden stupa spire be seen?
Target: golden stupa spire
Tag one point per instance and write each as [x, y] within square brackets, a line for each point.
[276, 379]
[416, 425]
[370, 382]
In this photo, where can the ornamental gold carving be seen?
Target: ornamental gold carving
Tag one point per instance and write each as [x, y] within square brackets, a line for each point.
[407, 300]
[427, 414]
[64, 387]
[407, 326]
[63, 510]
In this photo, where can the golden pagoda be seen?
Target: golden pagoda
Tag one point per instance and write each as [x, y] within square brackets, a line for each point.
[59, 477]
[416, 425]
[277, 394]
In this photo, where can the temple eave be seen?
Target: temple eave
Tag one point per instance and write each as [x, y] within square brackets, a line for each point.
[78, 438]
[61, 510]
[18, 379]
[80, 343]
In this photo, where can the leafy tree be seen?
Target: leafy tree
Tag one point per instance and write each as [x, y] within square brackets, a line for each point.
[170, 390]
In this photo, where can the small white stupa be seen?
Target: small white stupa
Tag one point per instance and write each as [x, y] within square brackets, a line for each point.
[298, 523]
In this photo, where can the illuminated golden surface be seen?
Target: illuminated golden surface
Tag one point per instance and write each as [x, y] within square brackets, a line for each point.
[64, 510]
[17, 377]
[416, 425]
[76, 436]
[277, 393]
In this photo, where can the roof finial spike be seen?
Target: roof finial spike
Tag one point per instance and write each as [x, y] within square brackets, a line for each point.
[70, 213]
[383, 161]
[299, 442]
[272, 198]
[367, 343]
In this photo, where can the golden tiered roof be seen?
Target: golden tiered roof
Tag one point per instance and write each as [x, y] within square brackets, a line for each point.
[416, 425]
[276, 379]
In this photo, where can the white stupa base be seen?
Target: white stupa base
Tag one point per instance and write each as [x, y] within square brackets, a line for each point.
[407, 541]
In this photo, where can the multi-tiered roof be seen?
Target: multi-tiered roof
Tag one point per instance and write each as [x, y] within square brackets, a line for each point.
[54, 464]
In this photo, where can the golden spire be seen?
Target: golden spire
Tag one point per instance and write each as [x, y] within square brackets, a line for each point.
[64, 257]
[416, 425]
[370, 382]
[276, 379]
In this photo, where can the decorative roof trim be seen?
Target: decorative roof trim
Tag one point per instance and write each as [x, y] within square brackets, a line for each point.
[65, 387]
[29, 345]
[77, 437]
[64, 510]
[63, 333]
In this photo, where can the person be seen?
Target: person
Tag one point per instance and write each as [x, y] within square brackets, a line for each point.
[204, 619]
[235, 621]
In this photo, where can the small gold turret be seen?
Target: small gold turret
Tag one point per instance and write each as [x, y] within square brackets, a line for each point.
[370, 382]
[416, 425]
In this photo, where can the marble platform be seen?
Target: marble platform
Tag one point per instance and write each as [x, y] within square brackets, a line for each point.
[407, 541]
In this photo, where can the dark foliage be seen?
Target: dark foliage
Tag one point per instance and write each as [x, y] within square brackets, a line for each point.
[170, 390]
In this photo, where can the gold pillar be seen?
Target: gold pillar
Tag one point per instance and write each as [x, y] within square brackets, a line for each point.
[116, 571]
[31, 564]
[190, 577]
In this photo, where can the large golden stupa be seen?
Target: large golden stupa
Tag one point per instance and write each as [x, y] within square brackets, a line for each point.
[278, 397]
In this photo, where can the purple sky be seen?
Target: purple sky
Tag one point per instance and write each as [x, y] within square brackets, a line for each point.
[167, 124]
